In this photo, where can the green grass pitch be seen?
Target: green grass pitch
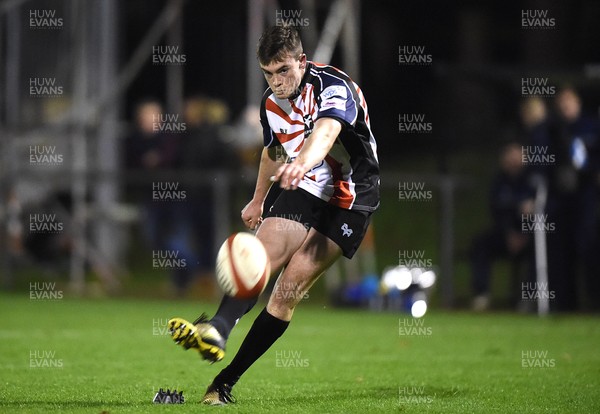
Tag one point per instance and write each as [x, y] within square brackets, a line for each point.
[109, 355]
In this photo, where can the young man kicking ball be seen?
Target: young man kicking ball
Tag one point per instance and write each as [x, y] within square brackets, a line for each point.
[317, 116]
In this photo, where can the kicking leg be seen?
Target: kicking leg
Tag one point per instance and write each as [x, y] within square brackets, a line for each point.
[279, 251]
[281, 239]
[313, 257]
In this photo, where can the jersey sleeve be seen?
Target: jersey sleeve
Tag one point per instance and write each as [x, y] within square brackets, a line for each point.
[337, 101]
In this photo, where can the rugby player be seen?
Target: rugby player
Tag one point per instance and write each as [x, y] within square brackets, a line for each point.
[320, 150]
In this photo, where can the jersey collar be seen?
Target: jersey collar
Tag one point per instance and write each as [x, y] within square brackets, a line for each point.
[303, 82]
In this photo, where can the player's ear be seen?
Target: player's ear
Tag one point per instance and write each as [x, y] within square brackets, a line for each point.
[302, 59]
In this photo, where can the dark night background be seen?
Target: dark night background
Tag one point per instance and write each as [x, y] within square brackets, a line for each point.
[470, 91]
[475, 288]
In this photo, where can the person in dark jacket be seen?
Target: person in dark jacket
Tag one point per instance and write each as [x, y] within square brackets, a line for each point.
[511, 197]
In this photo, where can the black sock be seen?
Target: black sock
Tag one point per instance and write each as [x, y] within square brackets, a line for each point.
[230, 310]
[265, 330]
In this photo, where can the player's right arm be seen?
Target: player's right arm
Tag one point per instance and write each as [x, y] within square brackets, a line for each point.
[252, 213]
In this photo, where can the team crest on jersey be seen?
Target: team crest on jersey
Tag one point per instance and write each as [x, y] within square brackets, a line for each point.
[308, 125]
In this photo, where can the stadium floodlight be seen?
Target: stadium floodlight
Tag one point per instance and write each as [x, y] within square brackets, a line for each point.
[404, 278]
[416, 273]
[388, 279]
[398, 277]
[407, 288]
[418, 308]
[427, 279]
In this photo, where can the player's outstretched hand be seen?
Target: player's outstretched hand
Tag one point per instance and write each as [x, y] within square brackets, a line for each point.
[290, 175]
[252, 214]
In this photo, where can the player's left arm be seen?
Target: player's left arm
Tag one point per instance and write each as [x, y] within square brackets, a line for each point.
[316, 147]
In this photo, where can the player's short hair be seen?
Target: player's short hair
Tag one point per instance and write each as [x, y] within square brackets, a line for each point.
[277, 42]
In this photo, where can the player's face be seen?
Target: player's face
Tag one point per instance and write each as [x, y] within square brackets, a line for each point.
[284, 77]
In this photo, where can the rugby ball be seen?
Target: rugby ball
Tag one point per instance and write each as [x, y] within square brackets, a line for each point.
[242, 267]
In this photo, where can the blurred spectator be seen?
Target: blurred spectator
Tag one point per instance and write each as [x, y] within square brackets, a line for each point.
[573, 204]
[147, 147]
[165, 222]
[51, 247]
[38, 229]
[535, 125]
[535, 136]
[204, 148]
[511, 196]
[245, 136]
[205, 152]
[14, 225]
